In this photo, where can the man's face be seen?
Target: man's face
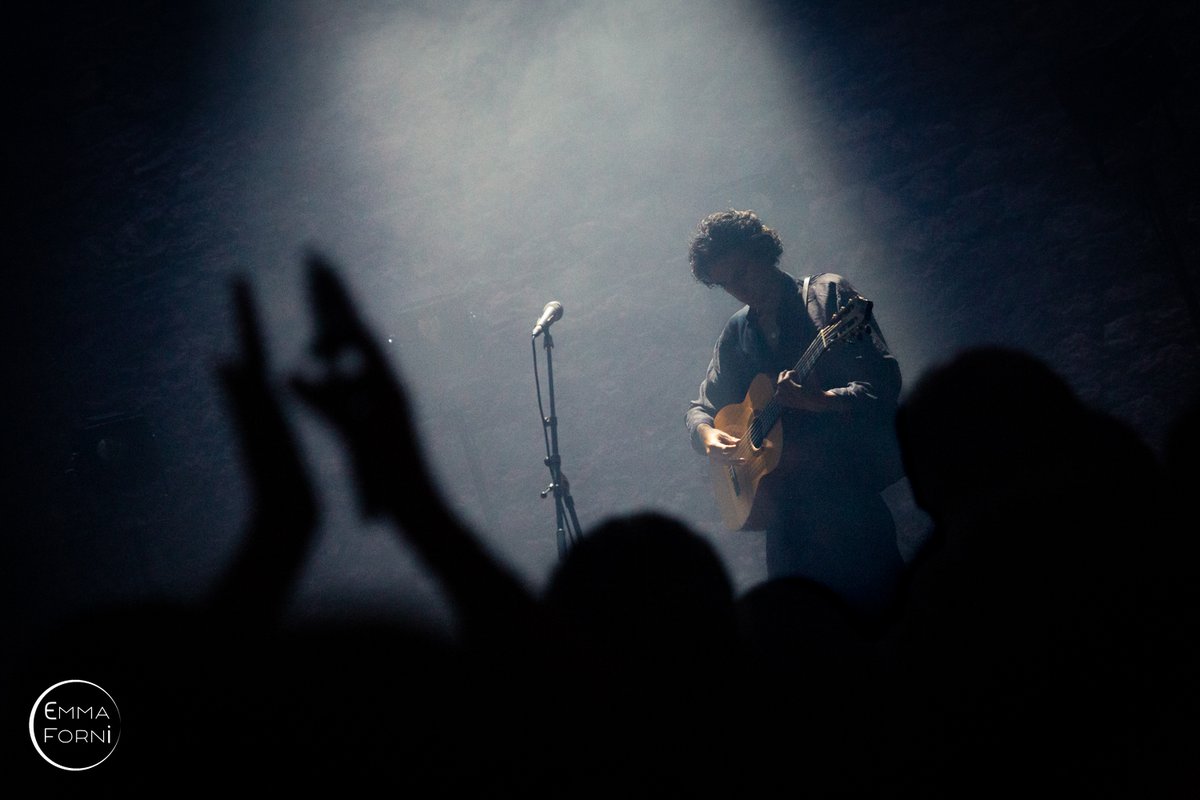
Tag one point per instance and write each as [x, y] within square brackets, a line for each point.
[744, 279]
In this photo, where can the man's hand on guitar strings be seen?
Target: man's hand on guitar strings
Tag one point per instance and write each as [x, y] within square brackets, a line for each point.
[793, 395]
[720, 446]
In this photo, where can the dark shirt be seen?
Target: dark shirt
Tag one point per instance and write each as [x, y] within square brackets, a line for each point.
[852, 447]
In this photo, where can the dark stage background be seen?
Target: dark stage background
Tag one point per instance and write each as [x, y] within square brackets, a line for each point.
[978, 170]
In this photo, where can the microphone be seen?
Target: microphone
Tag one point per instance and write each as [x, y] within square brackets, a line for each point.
[550, 314]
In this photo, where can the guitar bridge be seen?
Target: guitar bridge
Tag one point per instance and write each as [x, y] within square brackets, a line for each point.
[733, 478]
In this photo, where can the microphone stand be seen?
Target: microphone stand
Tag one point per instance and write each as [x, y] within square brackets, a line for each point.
[568, 530]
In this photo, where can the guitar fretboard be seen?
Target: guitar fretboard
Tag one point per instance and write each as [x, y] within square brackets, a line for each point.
[769, 415]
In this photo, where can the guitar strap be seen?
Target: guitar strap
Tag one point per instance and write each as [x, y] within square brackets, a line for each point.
[807, 278]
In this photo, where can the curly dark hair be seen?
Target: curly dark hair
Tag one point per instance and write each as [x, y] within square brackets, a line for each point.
[732, 231]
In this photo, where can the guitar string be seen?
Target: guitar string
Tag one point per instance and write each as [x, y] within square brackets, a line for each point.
[746, 444]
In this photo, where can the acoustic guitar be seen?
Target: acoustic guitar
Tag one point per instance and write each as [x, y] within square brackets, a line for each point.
[756, 422]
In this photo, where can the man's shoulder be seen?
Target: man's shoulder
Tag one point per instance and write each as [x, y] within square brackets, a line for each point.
[828, 278]
[823, 287]
[739, 319]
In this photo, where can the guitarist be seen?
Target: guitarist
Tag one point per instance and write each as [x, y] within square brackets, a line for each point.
[820, 507]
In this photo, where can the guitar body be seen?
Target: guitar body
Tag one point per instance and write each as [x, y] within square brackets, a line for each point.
[736, 486]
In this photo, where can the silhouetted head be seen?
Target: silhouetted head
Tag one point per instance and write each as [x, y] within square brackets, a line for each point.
[740, 234]
[991, 423]
[644, 586]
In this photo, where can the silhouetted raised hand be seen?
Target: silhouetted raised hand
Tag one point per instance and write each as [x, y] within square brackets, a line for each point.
[283, 506]
[356, 391]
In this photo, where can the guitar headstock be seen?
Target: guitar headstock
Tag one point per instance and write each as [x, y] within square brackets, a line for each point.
[850, 320]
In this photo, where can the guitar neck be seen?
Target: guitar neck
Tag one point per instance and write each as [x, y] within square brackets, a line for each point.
[769, 414]
[816, 348]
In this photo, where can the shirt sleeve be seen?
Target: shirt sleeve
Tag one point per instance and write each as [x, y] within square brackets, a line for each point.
[862, 449]
[726, 381]
[862, 369]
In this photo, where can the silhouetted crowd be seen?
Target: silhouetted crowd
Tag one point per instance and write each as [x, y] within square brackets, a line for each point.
[1044, 640]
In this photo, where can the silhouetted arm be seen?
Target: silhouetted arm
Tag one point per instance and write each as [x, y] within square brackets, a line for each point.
[357, 392]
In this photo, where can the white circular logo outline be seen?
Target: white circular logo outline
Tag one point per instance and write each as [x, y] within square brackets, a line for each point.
[33, 716]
